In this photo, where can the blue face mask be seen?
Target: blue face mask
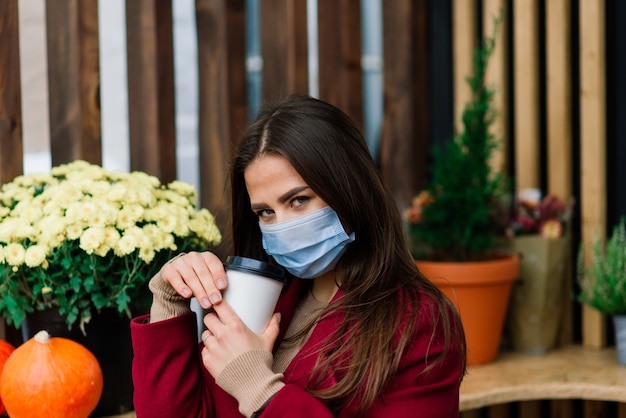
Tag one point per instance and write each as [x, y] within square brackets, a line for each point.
[308, 246]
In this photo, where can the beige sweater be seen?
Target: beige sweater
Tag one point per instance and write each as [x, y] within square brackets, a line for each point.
[255, 376]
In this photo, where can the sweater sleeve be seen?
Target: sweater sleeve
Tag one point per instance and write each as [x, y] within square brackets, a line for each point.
[250, 379]
[166, 303]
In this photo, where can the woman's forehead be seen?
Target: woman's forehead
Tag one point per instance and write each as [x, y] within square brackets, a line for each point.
[271, 175]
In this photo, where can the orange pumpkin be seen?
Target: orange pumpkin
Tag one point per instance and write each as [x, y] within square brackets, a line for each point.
[51, 377]
[6, 349]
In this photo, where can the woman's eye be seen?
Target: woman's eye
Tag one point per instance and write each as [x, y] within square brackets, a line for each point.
[263, 213]
[299, 201]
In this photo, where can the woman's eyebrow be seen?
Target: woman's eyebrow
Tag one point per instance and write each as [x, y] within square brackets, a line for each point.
[282, 199]
[257, 206]
[291, 193]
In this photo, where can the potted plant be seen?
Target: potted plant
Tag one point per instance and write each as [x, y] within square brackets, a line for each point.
[539, 231]
[81, 241]
[602, 281]
[456, 223]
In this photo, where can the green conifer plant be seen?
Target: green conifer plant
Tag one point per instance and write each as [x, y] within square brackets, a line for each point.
[465, 214]
[603, 281]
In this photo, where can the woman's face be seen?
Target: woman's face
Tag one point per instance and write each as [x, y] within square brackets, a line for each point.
[277, 192]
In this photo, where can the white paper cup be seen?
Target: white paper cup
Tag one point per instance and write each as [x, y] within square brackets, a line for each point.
[253, 290]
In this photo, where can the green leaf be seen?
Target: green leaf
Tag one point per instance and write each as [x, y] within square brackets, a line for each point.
[122, 302]
[99, 300]
[89, 283]
[75, 283]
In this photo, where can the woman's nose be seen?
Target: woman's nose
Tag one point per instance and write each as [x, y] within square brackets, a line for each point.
[283, 216]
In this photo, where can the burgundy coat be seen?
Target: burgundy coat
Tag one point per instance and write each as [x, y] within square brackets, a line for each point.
[170, 380]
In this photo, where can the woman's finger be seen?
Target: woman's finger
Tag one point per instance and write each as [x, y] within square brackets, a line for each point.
[212, 322]
[216, 269]
[206, 335]
[227, 314]
[197, 274]
[173, 273]
[270, 333]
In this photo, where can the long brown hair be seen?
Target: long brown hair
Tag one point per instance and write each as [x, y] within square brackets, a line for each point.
[330, 154]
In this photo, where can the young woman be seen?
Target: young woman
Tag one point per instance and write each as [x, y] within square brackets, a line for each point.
[358, 331]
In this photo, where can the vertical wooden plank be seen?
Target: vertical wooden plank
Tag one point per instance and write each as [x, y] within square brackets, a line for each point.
[89, 87]
[501, 411]
[621, 410]
[340, 76]
[73, 80]
[421, 77]
[496, 75]
[151, 87]
[526, 92]
[236, 71]
[530, 409]
[464, 28]
[559, 122]
[559, 97]
[595, 409]
[473, 413]
[284, 48]
[405, 140]
[11, 141]
[559, 148]
[214, 117]
[592, 145]
[11, 145]
[561, 408]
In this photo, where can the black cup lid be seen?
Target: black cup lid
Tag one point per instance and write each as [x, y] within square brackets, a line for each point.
[250, 265]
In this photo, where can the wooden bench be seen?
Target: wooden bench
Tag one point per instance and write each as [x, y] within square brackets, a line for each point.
[571, 372]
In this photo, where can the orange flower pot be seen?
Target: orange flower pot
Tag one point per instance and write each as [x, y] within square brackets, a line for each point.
[480, 291]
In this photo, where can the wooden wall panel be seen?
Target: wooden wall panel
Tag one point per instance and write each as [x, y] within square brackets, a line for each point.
[559, 97]
[501, 411]
[526, 94]
[530, 409]
[11, 145]
[405, 141]
[215, 134]
[562, 408]
[284, 48]
[497, 75]
[340, 76]
[236, 68]
[465, 37]
[151, 87]
[559, 126]
[474, 413]
[74, 80]
[593, 145]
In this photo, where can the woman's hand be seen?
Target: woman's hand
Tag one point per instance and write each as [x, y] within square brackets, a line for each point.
[196, 274]
[227, 337]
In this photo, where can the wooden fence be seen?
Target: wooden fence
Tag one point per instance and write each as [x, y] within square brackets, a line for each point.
[559, 67]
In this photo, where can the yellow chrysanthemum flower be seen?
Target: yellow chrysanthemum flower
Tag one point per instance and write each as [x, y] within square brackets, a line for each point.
[14, 254]
[74, 230]
[35, 255]
[126, 245]
[92, 238]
